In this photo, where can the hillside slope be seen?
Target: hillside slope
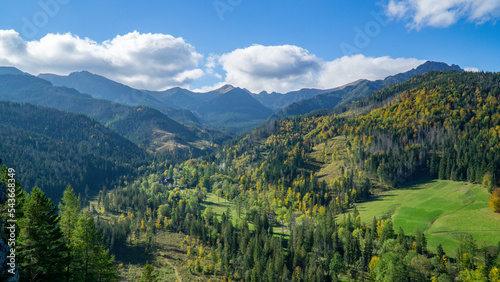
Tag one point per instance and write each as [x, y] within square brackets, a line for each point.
[100, 87]
[30, 89]
[290, 188]
[358, 91]
[239, 112]
[51, 149]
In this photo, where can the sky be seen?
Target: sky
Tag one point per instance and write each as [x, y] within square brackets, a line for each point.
[273, 45]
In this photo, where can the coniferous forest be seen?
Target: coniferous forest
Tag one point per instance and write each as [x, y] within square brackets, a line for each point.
[283, 202]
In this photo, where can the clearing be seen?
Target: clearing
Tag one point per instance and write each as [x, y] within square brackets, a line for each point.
[442, 209]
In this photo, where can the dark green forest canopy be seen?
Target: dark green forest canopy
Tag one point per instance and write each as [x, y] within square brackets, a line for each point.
[51, 149]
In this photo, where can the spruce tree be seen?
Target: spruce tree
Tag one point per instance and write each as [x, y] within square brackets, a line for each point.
[94, 260]
[41, 247]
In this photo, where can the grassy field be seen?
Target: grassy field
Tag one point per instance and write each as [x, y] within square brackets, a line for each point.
[442, 209]
[168, 258]
[220, 205]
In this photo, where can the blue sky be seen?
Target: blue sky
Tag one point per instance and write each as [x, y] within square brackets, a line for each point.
[261, 45]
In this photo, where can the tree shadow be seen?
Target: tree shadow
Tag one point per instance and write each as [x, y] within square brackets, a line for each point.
[134, 254]
[417, 184]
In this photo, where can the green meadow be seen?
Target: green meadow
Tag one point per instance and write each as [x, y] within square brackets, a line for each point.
[440, 208]
[220, 206]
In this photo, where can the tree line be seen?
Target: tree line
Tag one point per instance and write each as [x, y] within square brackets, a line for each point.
[56, 244]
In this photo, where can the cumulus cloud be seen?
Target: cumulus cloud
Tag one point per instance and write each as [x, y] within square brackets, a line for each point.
[159, 61]
[443, 13]
[351, 68]
[146, 61]
[471, 69]
[286, 68]
[271, 68]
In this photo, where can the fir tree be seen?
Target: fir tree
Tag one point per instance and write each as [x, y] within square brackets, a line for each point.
[94, 260]
[69, 209]
[41, 247]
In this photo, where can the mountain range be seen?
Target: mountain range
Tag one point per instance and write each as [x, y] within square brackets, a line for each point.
[356, 91]
[178, 118]
[143, 125]
[231, 109]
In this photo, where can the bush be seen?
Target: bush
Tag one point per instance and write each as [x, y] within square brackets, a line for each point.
[488, 182]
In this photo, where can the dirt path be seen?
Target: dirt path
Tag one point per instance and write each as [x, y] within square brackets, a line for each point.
[177, 277]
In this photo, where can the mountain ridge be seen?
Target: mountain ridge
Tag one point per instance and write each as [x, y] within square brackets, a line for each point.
[34, 90]
[361, 89]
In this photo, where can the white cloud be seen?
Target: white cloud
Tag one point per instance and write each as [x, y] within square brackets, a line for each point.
[351, 68]
[443, 13]
[158, 61]
[397, 9]
[271, 68]
[146, 61]
[471, 69]
[287, 68]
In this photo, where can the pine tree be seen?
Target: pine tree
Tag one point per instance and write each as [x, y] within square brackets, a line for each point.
[41, 247]
[94, 260]
[69, 209]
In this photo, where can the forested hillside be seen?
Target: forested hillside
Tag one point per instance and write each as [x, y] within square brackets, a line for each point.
[291, 182]
[143, 125]
[281, 203]
[51, 149]
[447, 126]
[48, 242]
[357, 91]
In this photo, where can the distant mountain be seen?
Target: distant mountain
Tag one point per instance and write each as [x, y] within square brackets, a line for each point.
[102, 88]
[180, 98]
[233, 109]
[361, 89]
[204, 106]
[51, 149]
[278, 101]
[233, 100]
[229, 108]
[30, 89]
[11, 70]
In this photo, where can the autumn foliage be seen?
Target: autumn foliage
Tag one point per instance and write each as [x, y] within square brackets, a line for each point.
[495, 200]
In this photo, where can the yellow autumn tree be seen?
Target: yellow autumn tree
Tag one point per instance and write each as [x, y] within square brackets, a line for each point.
[495, 200]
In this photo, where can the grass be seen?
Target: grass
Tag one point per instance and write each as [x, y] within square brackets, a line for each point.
[442, 209]
[220, 205]
[330, 168]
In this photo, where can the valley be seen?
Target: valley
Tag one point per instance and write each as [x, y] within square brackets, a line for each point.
[387, 182]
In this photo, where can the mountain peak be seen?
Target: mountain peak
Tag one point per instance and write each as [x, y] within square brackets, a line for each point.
[437, 66]
[82, 72]
[11, 70]
[224, 89]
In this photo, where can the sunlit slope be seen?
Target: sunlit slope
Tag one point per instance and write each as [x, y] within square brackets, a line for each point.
[442, 209]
